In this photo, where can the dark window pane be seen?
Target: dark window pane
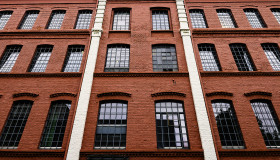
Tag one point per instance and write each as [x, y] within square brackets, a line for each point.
[56, 19]
[164, 58]
[40, 61]
[171, 125]
[271, 51]
[226, 18]
[53, 134]
[268, 122]
[29, 19]
[242, 57]
[15, 124]
[198, 19]
[83, 19]
[209, 58]
[121, 20]
[160, 20]
[254, 18]
[73, 59]
[9, 58]
[228, 127]
[4, 18]
[117, 58]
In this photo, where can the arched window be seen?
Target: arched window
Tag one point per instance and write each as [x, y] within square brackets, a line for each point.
[9, 58]
[226, 18]
[272, 53]
[28, 19]
[41, 58]
[83, 19]
[254, 17]
[14, 126]
[276, 13]
[56, 19]
[171, 125]
[209, 58]
[117, 59]
[160, 19]
[73, 58]
[228, 127]
[121, 20]
[198, 18]
[4, 18]
[268, 122]
[55, 125]
[111, 125]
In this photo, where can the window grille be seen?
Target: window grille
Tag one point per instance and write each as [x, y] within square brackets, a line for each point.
[254, 18]
[111, 127]
[242, 57]
[4, 18]
[226, 18]
[9, 58]
[164, 58]
[268, 122]
[198, 18]
[41, 58]
[56, 19]
[14, 126]
[53, 133]
[228, 127]
[160, 20]
[276, 13]
[117, 58]
[29, 19]
[121, 20]
[271, 51]
[83, 19]
[209, 58]
[106, 157]
[171, 125]
[73, 58]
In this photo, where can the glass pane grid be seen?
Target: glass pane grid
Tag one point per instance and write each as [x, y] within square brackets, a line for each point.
[171, 126]
[53, 133]
[29, 19]
[226, 18]
[117, 58]
[56, 19]
[111, 127]
[14, 126]
[41, 59]
[4, 18]
[228, 127]
[121, 20]
[160, 20]
[198, 18]
[268, 123]
[9, 58]
[83, 20]
[254, 18]
[209, 58]
[242, 57]
[164, 58]
[272, 53]
[73, 59]
[276, 13]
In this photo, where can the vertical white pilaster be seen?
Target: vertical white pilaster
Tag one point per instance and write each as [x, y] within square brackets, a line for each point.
[76, 138]
[199, 103]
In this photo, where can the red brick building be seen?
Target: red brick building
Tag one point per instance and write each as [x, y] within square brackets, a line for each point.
[118, 80]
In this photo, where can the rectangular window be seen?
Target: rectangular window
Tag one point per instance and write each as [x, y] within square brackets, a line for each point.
[29, 19]
[56, 19]
[106, 157]
[226, 18]
[198, 18]
[160, 20]
[272, 53]
[111, 126]
[40, 60]
[164, 58]
[83, 19]
[171, 125]
[228, 127]
[117, 59]
[14, 126]
[4, 18]
[9, 58]
[54, 129]
[268, 122]
[121, 20]
[209, 58]
[276, 13]
[73, 58]
[242, 58]
[254, 18]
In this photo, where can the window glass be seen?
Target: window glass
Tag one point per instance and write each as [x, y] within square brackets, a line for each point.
[9, 58]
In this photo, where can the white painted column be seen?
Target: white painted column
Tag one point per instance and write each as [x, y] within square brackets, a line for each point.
[199, 103]
[77, 134]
